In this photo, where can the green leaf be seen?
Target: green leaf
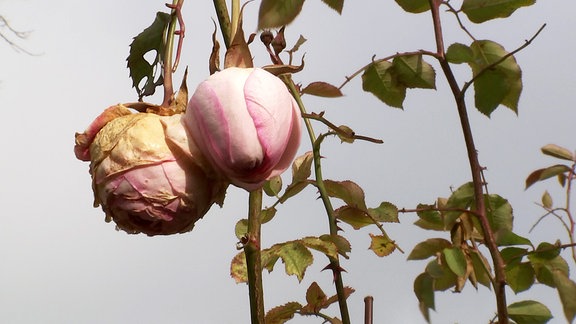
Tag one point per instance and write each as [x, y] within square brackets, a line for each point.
[293, 189]
[386, 212]
[354, 217]
[427, 225]
[267, 214]
[546, 251]
[241, 228]
[149, 40]
[322, 89]
[481, 268]
[295, 256]
[513, 255]
[506, 237]
[325, 246]
[499, 213]
[335, 4]
[567, 292]
[277, 13]
[490, 90]
[529, 312]
[445, 279]
[382, 245]
[273, 186]
[462, 198]
[501, 84]
[282, 314]
[435, 270]
[238, 268]
[413, 72]
[302, 167]
[424, 291]
[479, 11]
[547, 200]
[315, 297]
[380, 80]
[340, 242]
[348, 191]
[428, 248]
[558, 152]
[520, 276]
[544, 268]
[545, 173]
[459, 53]
[429, 219]
[456, 260]
[414, 6]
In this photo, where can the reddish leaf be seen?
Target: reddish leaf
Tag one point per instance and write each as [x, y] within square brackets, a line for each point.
[545, 173]
[322, 89]
[282, 314]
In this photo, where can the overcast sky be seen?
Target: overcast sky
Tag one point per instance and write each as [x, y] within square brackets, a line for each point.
[61, 263]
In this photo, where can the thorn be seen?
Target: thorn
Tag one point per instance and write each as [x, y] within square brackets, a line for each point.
[336, 270]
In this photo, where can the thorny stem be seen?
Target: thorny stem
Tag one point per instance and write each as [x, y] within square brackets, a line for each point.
[168, 67]
[252, 241]
[475, 168]
[254, 258]
[334, 263]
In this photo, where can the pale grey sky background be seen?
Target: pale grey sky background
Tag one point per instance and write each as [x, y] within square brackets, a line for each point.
[61, 263]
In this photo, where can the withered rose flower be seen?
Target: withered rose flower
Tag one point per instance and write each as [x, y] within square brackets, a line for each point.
[146, 174]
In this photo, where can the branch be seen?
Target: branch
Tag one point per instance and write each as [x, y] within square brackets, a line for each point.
[502, 59]
[572, 222]
[475, 168]
[417, 210]
[355, 74]
[334, 263]
[176, 7]
[19, 34]
[455, 12]
[339, 131]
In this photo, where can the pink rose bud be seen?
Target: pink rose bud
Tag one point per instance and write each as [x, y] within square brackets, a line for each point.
[246, 123]
[145, 173]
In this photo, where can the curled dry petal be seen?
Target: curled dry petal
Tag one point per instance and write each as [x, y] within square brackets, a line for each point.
[146, 174]
[83, 140]
[246, 123]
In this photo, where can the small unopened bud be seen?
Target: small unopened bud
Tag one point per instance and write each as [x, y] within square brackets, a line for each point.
[279, 42]
[266, 37]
